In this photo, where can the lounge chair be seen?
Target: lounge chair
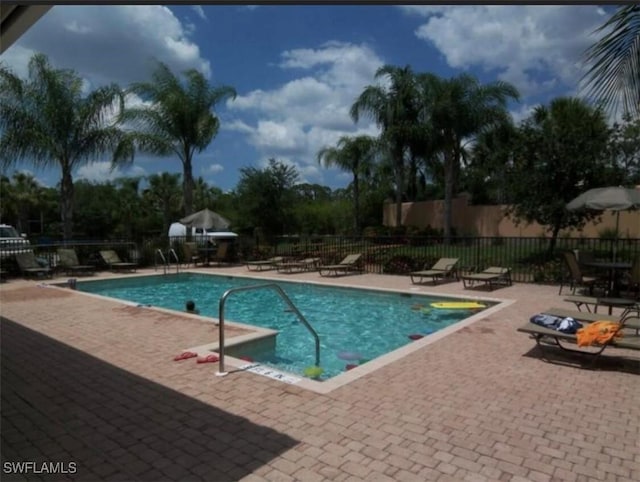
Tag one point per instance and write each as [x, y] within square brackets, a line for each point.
[444, 268]
[585, 301]
[29, 265]
[547, 336]
[299, 266]
[265, 264]
[348, 265]
[494, 275]
[114, 262]
[68, 262]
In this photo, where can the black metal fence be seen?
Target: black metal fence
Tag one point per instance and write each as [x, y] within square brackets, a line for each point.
[531, 259]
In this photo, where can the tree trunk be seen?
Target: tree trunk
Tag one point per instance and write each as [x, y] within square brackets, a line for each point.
[552, 242]
[448, 194]
[66, 203]
[187, 187]
[356, 203]
[399, 168]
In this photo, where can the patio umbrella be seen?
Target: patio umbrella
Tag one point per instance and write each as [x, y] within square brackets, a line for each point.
[206, 219]
[614, 198]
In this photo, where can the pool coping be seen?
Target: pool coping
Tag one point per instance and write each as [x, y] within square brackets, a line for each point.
[320, 387]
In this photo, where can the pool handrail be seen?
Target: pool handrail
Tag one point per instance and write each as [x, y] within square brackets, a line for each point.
[166, 262]
[287, 300]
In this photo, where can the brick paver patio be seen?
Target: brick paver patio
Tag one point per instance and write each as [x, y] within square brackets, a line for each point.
[91, 382]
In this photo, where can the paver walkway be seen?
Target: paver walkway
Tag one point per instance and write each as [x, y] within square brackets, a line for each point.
[92, 382]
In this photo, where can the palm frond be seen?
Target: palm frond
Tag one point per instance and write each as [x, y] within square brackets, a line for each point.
[613, 78]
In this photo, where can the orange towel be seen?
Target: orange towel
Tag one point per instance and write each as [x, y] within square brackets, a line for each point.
[598, 332]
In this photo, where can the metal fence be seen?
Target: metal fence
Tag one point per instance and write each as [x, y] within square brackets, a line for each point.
[530, 259]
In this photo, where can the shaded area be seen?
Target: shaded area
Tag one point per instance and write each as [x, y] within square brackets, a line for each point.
[610, 360]
[61, 405]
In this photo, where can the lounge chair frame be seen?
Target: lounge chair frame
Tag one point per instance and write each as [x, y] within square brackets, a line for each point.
[68, 263]
[266, 264]
[492, 276]
[348, 265]
[444, 268]
[298, 266]
[565, 341]
[29, 266]
[115, 263]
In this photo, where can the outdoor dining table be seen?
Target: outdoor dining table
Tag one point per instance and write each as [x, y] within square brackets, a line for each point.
[614, 269]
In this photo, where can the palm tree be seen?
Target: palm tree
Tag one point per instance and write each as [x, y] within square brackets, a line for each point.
[460, 108]
[179, 121]
[394, 110]
[46, 120]
[164, 194]
[354, 154]
[26, 193]
[614, 75]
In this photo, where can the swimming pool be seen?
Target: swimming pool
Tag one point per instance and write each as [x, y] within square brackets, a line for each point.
[354, 325]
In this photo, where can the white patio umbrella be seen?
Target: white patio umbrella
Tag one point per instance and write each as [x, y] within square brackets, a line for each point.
[614, 198]
[206, 219]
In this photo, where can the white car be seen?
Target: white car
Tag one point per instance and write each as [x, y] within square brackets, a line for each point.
[11, 242]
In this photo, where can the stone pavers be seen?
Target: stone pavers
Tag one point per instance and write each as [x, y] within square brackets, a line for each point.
[92, 381]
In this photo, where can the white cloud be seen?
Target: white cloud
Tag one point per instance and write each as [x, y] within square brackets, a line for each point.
[199, 11]
[101, 171]
[214, 169]
[297, 119]
[115, 43]
[537, 47]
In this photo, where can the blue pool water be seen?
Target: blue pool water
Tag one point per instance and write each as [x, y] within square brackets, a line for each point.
[354, 325]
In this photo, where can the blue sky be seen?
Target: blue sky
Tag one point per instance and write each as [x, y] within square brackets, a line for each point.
[297, 69]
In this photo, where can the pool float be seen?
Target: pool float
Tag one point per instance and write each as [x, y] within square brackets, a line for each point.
[350, 366]
[349, 355]
[416, 336]
[313, 372]
[457, 305]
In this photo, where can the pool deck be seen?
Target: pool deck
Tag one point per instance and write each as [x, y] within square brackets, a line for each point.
[92, 382]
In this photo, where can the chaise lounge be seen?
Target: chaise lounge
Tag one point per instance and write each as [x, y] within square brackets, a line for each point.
[111, 258]
[265, 264]
[494, 275]
[69, 263]
[348, 265]
[29, 265]
[299, 266]
[629, 327]
[444, 268]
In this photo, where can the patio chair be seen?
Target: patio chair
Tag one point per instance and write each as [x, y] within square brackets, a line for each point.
[632, 281]
[494, 275]
[348, 265]
[111, 258]
[68, 262]
[265, 264]
[576, 277]
[29, 266]
[191, 255]
[221, 255]
[299, 266]
[444, 268]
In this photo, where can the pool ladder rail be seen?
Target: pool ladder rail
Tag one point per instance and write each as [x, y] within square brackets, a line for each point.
[166, 262]
[286, 299]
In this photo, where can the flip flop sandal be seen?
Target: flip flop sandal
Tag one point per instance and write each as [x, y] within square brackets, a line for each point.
[208, 359]
[184, 356]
